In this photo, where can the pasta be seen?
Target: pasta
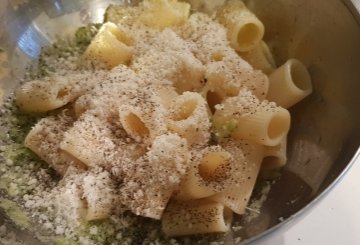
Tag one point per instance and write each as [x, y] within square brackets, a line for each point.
[170, 115]
[187, 112]
[209, 173]
[228, 76]
[206, 6]
[245, 117]
[260, 57]
[147, 187]
[45, 142]
[143, 118]
[289, 84]
[98, 191]
[52, 93]
[245, 30]
[208, 37]
[110, 47]
[88, 195]
[176, 66]
[196, 217]
[249, 156]
[163, 13]
[275, 156]
[120, 84]
[70, 204]
[86, 139]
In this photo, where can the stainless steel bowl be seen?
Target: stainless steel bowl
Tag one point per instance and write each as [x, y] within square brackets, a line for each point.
[325, 133]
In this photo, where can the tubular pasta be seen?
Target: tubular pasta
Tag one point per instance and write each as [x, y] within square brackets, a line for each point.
[143, 117]
[176, 66]
[99, 193]
[45, 142]
[110, 47]
[289, 84]
[70, 204]
[249, 155]
[163, 13]
[245, 30]
[212, 170]
[88, 141]
[167, 121]
[275, 156]
[231, 74]
[104, 99]
[196, 217]
[150, 182]
[260, 57]
[208, 36]
[245, 117]
[52, 93]
[189, 117]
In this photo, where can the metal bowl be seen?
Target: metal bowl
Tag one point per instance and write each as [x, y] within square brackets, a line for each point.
[325, 133]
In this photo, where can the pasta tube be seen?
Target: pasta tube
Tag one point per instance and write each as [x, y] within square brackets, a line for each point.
[245, 117]
[275, 156]
[170, 62]
[260, 57]
[212, 170]
[99, 193]
[196, 217]
[88, 141]
[227, 77]
[245, 30]
[249, 156]
[143, 117]
[163, 13]
[190, 118]
[45, 137]
[53, 92]
[289, 84]
[149, 183]
[110, 47]
[70, 204]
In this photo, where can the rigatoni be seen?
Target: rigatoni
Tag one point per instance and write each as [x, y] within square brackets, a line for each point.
[143, 116]
[163, 13]
[70, 204]
[211, 170]
[170, 62]
[229, 75]
[245, 117]
[88, 141]
[289, 84]
[110, 47]
[100, 195]
[52, 92]
[45, 137]
[245, 30]
[196, 217]
[260, 57]
[249, 156]
[189, 117]
[42, 96]
[275, 156]
[150, 182]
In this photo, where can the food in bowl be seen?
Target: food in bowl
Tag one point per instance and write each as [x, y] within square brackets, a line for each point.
[160, 112]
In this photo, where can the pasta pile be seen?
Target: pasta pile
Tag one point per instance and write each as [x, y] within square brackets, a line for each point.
[175, 122]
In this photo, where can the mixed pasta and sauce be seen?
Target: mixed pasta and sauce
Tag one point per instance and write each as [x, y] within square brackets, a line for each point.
[169, 113]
